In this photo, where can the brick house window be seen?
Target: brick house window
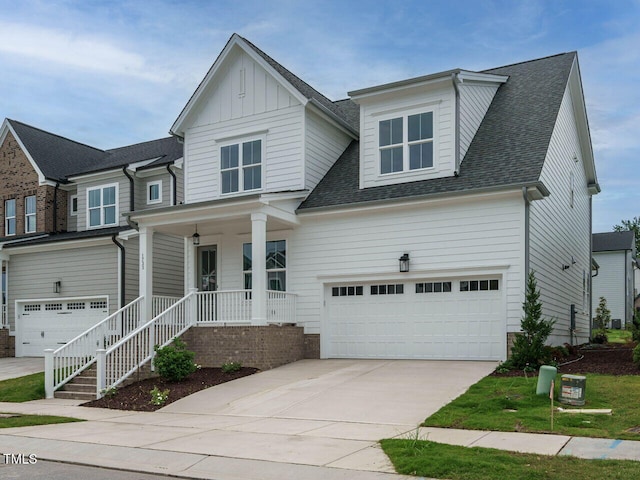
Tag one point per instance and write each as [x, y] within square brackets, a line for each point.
[10, 217]
[30, 214]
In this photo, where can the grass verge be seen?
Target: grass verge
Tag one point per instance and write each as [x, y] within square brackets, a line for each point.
[510, 404]
[22, 389]
[619, 336]
[435, 460]
[31, 420]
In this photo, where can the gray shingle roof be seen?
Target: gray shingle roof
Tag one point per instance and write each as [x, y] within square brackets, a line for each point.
[14, 242]
[59, 158]
[508, 149]
[610, 241]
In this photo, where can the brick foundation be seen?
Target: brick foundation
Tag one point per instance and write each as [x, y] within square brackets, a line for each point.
[7, 344]
[511, 338]
[311, 345]
[262, 347]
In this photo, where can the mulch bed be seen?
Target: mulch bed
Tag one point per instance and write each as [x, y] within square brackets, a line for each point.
[137, 397]
[608, 359]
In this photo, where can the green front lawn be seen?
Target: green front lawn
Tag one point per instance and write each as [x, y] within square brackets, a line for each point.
[22, 389]
[435, 460]
[31, 420]
[619, 336]
[510, 404]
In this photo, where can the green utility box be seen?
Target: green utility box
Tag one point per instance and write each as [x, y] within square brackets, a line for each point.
[572, 389]
[546, 375]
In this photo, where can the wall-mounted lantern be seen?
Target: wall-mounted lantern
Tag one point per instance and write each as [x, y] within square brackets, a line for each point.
[196, 237]
[404, 262]
[57, 286]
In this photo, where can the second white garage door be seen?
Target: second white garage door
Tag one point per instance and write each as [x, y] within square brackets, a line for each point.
[461, 319]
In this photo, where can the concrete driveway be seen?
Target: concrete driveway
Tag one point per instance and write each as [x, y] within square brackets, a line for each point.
[18, 367]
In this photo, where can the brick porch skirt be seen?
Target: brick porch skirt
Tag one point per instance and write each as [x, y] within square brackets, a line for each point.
[262, 347]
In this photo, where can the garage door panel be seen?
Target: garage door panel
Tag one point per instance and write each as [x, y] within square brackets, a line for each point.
[451, 324]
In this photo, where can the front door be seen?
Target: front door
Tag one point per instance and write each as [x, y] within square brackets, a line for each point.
[207, 266]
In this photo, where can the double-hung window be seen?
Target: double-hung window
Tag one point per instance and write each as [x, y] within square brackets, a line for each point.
[241, 166]
[102, 209]
[10, 217]
[30, 214]
[154, 192]
[406, 143]
[276, 265]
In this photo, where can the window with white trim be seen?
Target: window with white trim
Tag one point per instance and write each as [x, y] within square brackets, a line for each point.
[30, 214]
[73, 205]
[241, 167]
[10, 217]
[102, 206]
[154, 192]
[276, 263]
[406, 143]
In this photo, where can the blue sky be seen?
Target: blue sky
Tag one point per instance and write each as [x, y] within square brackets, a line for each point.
[112, 73]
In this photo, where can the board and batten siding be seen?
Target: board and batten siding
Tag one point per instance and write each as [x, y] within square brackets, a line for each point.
[82, 271]
[442, 101]
[610, 283]
[98, 181]
[444, 239]
[283, 155]
[324, 144]
[474, 103]
[560, 234]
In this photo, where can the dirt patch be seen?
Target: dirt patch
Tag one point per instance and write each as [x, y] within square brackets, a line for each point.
[609, 359]
[137, 397]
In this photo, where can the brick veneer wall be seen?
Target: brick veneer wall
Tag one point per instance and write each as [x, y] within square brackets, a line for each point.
[7, 344]
[311, 345]
[262, 347]
[18, 180]
[511, 338]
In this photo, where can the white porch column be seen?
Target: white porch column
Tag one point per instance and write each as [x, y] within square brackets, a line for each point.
[258, 268]
[146, 273]
[190, 265]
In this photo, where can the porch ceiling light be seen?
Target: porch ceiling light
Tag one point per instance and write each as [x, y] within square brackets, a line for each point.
[404, 263]
[196, 237]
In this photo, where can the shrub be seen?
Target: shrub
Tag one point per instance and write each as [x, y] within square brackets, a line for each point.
[174, 362]
[230, 367]
[158, 397]
[528, 349]
[599, 337]
[635, 327]
[636, 355]
[601, 321]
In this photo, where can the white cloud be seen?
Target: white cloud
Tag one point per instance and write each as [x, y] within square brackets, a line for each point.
[80, 51]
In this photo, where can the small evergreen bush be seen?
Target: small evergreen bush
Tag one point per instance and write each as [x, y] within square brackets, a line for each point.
[600, 322]
[174, 362]
[636, 355]
[230, 367]
[529, 351]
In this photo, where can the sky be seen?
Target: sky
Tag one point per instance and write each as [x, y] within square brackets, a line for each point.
[114, 73]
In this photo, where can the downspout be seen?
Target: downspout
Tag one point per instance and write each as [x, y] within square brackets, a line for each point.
[131, 191]
[55, 208]
[122, 270]
[590, 262]
[526, 232]
[456, 170]
[174, 193]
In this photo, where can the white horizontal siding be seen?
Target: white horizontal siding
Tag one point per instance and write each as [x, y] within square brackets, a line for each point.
[88, 271]
[324, 144]
[474, 103]
[610, 282]
[559, 232]
[442, 100]
[282, 165]
[439, 236]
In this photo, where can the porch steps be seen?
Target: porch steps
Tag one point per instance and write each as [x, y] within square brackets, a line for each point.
[81, 387]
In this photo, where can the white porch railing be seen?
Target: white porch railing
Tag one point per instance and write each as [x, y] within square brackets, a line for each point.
[118, 362]
[160, 303]
[64, 363]
[5, 323]
[234, 306]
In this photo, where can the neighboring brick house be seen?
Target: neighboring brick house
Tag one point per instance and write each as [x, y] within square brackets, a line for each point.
[69, 257]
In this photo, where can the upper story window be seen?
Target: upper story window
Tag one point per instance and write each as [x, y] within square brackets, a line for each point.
[102, 209]
[241, 166]
[73, 205]
[30, 214]
[10, 217]
[406, 143]
[154, 192]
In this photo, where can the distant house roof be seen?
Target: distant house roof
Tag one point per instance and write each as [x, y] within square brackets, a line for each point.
[611, 241]
[508, 149]
[58, 157]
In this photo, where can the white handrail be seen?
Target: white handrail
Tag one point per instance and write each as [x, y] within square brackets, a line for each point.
[119, 361]
[234, 306]
[64, 363]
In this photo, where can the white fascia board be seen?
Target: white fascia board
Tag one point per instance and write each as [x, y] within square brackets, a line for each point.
[176, 128]
[6, 128]
[342, 125]
[143, 163]
[179, 163]
[266, 198]
[97, 175]
[128, 234]
[369, 95]
[62, 245]
[467, 76]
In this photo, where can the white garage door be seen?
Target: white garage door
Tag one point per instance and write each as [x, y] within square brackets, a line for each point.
[442, 319]
[52, 323]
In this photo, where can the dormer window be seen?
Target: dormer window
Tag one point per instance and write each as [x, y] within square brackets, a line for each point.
[241, 166]
[406, 143]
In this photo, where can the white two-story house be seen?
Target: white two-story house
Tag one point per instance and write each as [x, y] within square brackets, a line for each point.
[400, 222]
[69, 257]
